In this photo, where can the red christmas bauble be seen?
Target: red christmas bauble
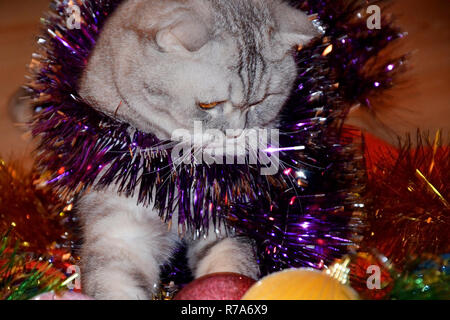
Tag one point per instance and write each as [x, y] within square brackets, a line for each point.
[216, 286]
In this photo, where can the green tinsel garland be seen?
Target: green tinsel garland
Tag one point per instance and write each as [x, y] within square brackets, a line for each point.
[21, 277]
[424, 278]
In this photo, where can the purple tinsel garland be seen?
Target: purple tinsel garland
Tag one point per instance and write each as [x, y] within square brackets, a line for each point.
[296, 220]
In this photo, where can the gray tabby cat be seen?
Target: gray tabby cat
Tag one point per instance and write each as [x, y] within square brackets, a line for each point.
[169, 63]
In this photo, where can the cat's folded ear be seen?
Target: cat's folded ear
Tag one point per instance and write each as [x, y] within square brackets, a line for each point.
[295, 27]
[187, 34]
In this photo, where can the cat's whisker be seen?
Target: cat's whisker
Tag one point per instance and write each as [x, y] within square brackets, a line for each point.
[163, 145]
[169, 166]
[177, 166]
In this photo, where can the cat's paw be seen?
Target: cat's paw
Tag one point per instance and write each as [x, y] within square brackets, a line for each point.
[123, 293]
[114, 285]
[228, 255]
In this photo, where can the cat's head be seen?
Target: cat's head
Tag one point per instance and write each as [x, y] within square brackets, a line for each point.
[162, 65]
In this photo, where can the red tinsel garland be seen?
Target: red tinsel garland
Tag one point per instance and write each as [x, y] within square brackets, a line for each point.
[408, 193]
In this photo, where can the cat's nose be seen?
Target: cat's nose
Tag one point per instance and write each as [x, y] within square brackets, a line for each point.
[231, 108]
[228, 108]
[236, 120]
[234, 133]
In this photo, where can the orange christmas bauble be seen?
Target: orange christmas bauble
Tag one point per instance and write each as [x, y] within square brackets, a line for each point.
[300, 284]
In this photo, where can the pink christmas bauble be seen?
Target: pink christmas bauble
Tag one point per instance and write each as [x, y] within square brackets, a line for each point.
[216, 286]
[63, 296]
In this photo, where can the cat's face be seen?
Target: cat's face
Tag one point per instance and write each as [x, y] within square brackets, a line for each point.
[162, 66]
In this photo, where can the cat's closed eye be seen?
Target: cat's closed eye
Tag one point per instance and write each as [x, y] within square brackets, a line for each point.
[209, 106]
[266, 96]
[212, 105]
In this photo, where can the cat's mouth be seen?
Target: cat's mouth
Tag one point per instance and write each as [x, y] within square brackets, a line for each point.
[234, 145]
[218, 144]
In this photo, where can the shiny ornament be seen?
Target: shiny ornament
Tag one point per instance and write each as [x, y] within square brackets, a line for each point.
[300, 284]
[217, 286]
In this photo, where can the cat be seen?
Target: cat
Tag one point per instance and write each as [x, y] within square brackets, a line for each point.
[160, 66]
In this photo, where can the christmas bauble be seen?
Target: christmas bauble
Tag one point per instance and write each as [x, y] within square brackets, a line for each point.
[300, 284]
[63, 296]
[216, 286]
